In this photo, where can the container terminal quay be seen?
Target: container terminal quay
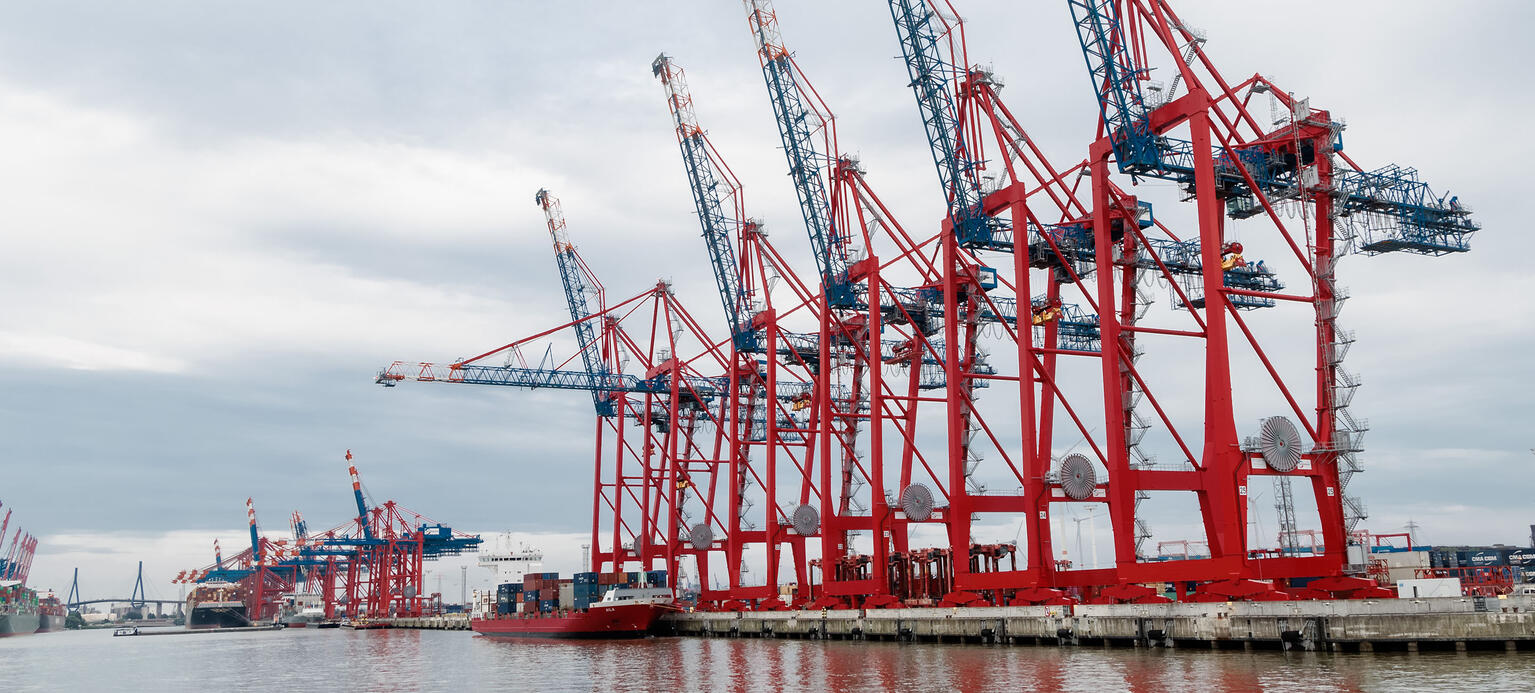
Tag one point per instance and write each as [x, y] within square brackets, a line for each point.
[898, 437]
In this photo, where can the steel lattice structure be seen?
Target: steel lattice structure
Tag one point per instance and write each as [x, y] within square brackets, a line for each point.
[372, 566]
[851, 417]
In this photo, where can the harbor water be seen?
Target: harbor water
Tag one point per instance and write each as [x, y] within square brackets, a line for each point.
[414, 660]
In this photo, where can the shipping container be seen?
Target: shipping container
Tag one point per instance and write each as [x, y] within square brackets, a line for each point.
[1444, 558]
[1428, 587]
[1482, 557]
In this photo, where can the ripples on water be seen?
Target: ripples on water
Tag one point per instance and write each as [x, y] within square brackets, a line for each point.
[309, 660]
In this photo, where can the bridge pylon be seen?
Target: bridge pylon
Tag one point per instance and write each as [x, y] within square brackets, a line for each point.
[72, 602]
[137, 598]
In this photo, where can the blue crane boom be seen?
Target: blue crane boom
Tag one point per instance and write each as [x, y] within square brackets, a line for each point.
[578, 282]
[362, 504]
[709, 186]
[917, 28]
[1409, 216]
[696, 387]
[797, 124]
[1116, 82]
[250, 511]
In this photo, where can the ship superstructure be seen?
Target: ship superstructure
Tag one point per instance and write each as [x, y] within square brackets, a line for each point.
[511, 559]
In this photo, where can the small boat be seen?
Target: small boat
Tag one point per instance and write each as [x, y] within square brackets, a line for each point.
[300, 610]
[128, 630]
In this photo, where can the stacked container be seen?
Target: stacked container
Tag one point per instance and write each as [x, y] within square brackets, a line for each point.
[1478, 558]
[585, 591]
[541, 592]
[567, 594]
[507, 596]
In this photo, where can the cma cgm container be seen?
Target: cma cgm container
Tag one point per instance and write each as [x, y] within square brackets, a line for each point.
[1479, 558]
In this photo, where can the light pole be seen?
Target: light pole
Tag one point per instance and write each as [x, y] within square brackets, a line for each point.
[1092, 532]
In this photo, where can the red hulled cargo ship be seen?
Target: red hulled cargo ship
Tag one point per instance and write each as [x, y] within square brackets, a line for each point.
[589, 606]
[623, 618]
[51, 614]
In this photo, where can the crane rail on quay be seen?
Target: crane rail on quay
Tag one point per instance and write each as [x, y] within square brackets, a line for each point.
[831, 450]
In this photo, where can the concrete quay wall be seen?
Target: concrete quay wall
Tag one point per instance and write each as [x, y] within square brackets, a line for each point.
[1367, 625]
[444, 622]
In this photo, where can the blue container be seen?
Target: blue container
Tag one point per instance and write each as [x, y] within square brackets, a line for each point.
[585, 578]
[656, 578]
[1488, 557]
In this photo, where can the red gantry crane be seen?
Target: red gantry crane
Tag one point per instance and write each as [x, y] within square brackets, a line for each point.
[852, 416]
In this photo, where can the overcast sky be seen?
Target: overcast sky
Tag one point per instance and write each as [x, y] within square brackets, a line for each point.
[221, 218]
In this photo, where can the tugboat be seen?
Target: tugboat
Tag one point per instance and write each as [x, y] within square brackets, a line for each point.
[302, 610]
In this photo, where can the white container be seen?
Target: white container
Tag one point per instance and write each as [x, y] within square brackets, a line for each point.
[1428, 587]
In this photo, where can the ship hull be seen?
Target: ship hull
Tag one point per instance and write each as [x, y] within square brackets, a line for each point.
[18, 624]
[50, 622]
[596, 623]
[303, 620]
[217, 617]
